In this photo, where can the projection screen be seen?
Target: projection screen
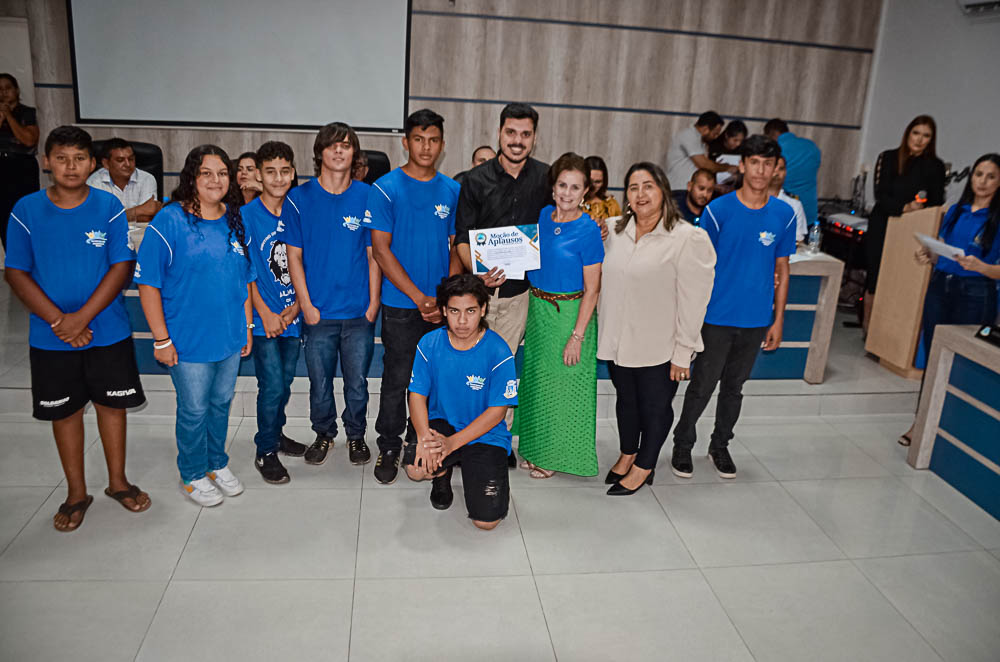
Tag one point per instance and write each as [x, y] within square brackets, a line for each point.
[253, 63]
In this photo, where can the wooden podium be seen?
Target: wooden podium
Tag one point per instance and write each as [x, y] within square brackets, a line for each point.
[894, 329]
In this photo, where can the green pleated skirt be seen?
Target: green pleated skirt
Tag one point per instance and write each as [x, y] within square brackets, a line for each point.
[557, 405]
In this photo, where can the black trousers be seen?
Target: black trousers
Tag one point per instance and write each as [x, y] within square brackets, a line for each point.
[402, 329]
[644, 410]
[729, 355]
[18, 178]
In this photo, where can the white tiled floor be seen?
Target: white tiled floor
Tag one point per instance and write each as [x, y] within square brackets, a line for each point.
[827, 546]
[826, 555]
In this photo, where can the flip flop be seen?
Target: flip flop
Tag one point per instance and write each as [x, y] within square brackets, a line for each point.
[524, 464]
[131, 492]
[68, 509]
[541, 474]
[904, 440]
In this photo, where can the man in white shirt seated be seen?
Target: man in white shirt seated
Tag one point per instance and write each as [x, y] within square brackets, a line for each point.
[689, 150]
[776, 191]
[136, 189]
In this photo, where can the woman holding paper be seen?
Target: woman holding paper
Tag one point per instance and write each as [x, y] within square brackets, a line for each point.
[907, 178]
[557, 416]
[964, 290]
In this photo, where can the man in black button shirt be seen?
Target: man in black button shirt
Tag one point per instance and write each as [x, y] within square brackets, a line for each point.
[511, 189]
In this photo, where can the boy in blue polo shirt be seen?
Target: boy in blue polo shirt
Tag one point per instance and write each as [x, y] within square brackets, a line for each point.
[462, 383]
[276, 316]
[68, 259]
[337, 283]
[411, 214]
[753, 235]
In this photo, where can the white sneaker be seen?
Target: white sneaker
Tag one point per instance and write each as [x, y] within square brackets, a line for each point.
[202, 492]
[226, 481]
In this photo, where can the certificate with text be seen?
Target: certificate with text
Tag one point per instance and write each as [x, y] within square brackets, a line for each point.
[513, 248]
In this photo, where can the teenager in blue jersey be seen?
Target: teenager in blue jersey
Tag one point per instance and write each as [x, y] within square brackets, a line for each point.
[753, 235]
[68, 259]
[462, 383]
[337, 284]
[411, 214]
[194, 273]
[276, 319]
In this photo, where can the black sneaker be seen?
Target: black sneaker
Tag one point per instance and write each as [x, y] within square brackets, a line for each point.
[723, 462]
[271, 469]
[386, 467]
[681, 464]
[290, 447]
[319, 449]
[441, 494]
[358, 451]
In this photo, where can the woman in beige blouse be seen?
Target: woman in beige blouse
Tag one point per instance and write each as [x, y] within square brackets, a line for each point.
[658, 273]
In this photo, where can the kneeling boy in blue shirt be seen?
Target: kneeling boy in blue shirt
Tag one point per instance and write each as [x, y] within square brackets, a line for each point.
[68, 259]
[462, 383]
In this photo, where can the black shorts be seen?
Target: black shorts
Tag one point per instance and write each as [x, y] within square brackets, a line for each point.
[63, 382]
[485, 476]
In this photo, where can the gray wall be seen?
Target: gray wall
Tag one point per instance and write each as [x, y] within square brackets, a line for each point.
[611, 78]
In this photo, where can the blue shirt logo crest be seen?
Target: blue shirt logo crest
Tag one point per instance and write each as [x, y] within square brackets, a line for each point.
[442, 211]
[766, 238]
[475, 382]
[96, 238]
[352, 223]
[236, 247]
[511, 391]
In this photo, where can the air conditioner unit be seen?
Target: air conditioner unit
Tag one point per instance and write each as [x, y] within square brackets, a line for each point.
[980, 10]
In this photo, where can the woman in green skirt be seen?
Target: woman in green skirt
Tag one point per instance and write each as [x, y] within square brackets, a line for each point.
[557, 417]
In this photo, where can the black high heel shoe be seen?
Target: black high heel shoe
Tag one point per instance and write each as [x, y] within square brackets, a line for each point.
[613, 478]
[619, 490]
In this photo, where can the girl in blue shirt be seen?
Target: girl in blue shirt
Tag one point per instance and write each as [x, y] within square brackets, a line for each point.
[193, 274]
[964, 291]
[557, 417]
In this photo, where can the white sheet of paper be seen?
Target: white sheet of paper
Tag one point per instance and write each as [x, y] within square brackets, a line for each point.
[513, 248]
[939, 247]
[727, 159]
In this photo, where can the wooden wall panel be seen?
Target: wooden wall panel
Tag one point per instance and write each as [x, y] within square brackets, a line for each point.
[565, 64]
[478, 58]
[852, 23]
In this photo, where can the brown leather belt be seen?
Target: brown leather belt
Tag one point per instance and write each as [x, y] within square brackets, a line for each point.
[554, 299]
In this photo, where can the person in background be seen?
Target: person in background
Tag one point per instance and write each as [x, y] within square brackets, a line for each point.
[18, 140]
[964, 291]
[68, 259]
[692, 200]
[557, 416]
[900, 174]
[480, 155]
[463, 382]
[600, 204]
[134, 188]
[411, 215]
[247, 177]
[776, 190]
[802, 160]
[689, 149]
[729, 140]
[276, 327]
[360, 169]
[337, 285]
[656, 282]
[194, 275]
[754, 236]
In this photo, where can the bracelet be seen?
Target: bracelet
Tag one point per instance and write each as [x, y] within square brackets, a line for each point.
[251, 325]
[576, 336]
[164, 345]
[161, 339]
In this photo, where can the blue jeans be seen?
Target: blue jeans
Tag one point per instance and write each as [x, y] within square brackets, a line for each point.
[953, 299]
[274, 361]
[204, 393]
[354, 341]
